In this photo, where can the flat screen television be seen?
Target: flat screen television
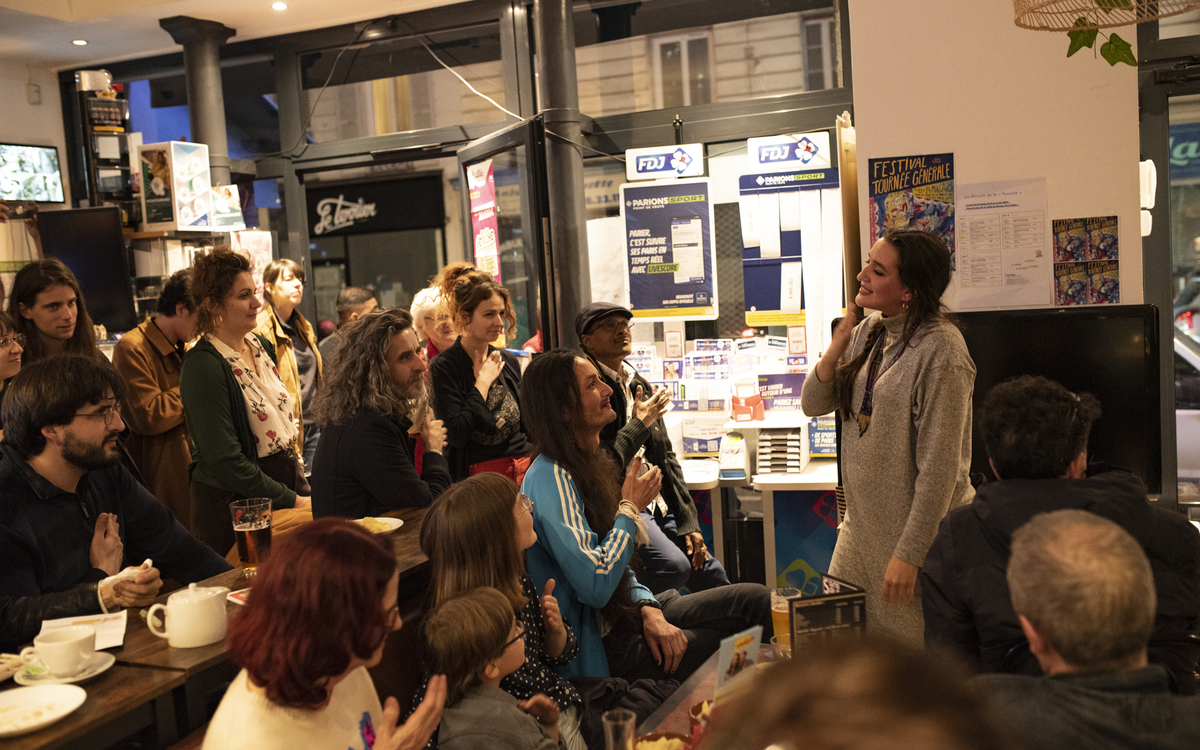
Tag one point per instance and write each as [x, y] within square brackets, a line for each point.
[30, 173]
[90, 243]
[1110, 352]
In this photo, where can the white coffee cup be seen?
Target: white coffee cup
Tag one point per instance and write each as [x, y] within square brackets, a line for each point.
[64, 652]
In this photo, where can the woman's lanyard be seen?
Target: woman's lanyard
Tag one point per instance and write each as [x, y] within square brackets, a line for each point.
[873, 373]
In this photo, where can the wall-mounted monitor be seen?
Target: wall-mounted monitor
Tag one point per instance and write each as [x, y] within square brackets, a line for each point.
[30, 173]
[1110, 352]
[90, 243]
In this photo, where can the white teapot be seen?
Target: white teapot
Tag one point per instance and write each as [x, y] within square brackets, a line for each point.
[194, 617]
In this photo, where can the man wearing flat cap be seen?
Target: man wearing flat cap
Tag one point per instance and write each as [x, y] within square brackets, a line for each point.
[675, 555]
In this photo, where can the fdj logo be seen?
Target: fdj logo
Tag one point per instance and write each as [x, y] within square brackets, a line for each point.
[680, 160]
[651, 163]
[803, 151]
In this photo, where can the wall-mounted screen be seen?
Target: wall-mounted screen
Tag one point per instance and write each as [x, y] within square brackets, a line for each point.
[30, 173]
[1110, 352]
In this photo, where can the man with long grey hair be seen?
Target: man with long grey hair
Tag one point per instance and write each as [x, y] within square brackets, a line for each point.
[372, 404]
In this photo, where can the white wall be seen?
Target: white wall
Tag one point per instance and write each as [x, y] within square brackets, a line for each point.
[961, 77]
[21, 122]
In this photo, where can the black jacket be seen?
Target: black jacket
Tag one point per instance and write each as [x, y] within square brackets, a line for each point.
[464, 411]
[965, 595]
[46, 536]
[365, 467]
[623, 437]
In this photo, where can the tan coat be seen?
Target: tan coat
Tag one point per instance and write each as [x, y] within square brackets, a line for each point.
[153, 410]
[271, 329]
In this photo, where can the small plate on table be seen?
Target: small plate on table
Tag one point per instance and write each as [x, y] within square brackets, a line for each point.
[663, 741]
[27, 709]
[391, 523]
[36, 674]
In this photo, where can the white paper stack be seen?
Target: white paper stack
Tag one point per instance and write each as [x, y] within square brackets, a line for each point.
[782, 451]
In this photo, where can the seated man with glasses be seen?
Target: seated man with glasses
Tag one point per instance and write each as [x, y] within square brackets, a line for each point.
[72, 516]
[675, 554]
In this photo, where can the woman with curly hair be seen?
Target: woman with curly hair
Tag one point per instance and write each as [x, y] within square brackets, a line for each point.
[240, 417]
[373, 393]
[322, 609]
[476, 385]
[903, 382]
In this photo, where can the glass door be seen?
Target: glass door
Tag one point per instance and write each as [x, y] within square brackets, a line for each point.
[505, 202]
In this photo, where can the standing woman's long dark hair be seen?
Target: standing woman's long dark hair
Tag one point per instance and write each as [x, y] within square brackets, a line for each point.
[31, 281]
[552, 416]
[924, 267]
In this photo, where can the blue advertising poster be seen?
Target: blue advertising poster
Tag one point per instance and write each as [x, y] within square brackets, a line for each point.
[670, 272]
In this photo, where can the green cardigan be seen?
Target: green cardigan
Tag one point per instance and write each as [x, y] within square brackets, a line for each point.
[223, 450]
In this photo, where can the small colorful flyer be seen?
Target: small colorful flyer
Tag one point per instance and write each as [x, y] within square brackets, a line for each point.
[1070, 284]
[1102, 238]
[1070, 240]
[1104, 282]
[739, 652]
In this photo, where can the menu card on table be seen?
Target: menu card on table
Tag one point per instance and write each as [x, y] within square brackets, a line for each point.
[839, 611]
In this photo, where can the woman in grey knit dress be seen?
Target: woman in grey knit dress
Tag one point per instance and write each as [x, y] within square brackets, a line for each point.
[903, 382]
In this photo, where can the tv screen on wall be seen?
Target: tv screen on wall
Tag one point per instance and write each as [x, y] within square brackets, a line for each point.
[1110, 352]
[90, 243]
[30, 173]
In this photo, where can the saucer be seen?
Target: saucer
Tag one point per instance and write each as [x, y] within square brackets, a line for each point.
[35, 674]
[391, 523]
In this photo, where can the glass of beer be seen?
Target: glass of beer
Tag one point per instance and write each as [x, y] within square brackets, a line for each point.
[780, 615]
[252, 528]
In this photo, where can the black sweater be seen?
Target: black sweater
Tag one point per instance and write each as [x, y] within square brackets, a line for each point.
[366, 467]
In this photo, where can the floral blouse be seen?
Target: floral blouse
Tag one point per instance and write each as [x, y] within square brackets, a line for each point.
[270, 408]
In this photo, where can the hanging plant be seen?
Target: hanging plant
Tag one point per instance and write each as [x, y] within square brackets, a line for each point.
[1115, 49]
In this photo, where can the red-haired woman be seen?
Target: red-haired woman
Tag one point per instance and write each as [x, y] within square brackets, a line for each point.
[320, 612]
[475, 385]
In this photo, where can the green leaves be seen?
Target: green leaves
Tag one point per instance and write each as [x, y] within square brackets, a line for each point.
[1081, 38]
[1116, 49]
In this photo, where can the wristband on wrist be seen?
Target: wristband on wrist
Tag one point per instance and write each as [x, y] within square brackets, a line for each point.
[628, 508]
[651, 603]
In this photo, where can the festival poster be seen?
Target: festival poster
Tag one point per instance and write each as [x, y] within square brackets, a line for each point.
[913, 192]
[1104, 282]
[481, 182]
[1070, 284]
[1102, 238]
[670, 268]
[1070, 240]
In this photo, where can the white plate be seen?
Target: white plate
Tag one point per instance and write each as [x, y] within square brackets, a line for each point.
[35, 674]
[23, 710]
[392, 523]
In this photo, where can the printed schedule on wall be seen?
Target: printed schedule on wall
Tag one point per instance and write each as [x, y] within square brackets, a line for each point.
[670, 270]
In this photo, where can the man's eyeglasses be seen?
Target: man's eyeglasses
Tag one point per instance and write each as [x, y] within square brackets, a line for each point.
[615, 325]
[6, 342]
[108, 413]
[526, 503]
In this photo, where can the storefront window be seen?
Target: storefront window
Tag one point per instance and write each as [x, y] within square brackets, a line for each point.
[745, 51]
[396, 85]
[1184, 24]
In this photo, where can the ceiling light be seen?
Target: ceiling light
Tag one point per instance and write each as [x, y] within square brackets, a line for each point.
[279, 6]
[79, 42]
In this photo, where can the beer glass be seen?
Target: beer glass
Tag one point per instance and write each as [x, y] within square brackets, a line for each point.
[252, 529]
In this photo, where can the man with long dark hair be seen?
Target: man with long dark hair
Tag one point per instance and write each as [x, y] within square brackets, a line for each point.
[587, 525]
[675, 555]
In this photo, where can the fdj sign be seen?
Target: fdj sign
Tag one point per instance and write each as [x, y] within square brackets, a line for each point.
[803, 152]
[799, 151]
[686, 160]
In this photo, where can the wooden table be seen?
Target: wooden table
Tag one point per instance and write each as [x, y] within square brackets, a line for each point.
[674, 715]
[123, 702]
[207, 668]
